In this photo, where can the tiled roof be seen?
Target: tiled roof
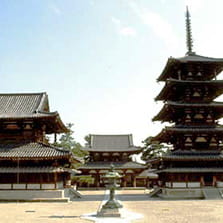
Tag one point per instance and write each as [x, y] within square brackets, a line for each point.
[112, 143]
[195, 157]
[167, 93]
[117, 165]
[22, 103]
[30, 106]
[168, 133]
[173, 63]
[31, 150]
[46, 169]
[192, 170]
[148, 173]
[176, 109]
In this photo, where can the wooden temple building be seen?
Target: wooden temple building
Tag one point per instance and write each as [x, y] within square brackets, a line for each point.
[105, 150]
[30, 168]
[194, 166]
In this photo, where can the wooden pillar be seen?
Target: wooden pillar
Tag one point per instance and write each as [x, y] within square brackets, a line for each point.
[124, 182]
[202, 181]
[55, 180]
[214, 184]
[41, 181]
[97, 179]
[186, 179]
[134, 180]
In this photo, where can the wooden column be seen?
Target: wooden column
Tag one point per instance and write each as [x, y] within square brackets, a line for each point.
[55, 180]
[186, 179]
[202, 181]
[134, 180]
[214, 184]
[97, 179]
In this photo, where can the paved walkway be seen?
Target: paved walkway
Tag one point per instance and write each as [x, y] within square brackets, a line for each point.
[155, 211]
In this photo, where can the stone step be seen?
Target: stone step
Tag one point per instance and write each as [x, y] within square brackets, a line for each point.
[155, 192]
[212, 193]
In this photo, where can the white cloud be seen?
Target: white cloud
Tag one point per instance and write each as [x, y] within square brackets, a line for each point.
[123, 30]
[128, 31]
[160, 26]
[116, 21]
[55, 9]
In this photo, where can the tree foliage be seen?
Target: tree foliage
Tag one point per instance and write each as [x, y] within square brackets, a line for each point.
[68, 142]
[153, 150]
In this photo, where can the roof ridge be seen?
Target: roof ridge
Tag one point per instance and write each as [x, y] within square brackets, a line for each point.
[110, 134]
[41, 101]
[37, 93]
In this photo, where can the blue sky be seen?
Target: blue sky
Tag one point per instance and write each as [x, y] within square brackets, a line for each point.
[98, 60]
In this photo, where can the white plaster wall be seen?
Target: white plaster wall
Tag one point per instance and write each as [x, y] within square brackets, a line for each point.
[179, 184]
[5, 186]
[19, 186]
[194, 184]
[219, 184]
[48, 186]
[33, 186]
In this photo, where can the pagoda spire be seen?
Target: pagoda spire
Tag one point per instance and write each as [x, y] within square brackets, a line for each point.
[189, 34]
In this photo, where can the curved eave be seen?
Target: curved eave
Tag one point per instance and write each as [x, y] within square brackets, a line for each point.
[173, 63]
[192, 158]
[52, 120]
[169, 110]
[107, 165]
[32, 151]
[191, 170]
[167, 91]
[170, 133]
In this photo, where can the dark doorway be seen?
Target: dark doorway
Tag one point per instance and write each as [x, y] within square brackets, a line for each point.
[208, 180]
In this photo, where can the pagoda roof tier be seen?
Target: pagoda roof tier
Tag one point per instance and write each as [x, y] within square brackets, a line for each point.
[192, 157]
[191, 170]
[195, 152]
[32, 151]
[30, 106]
[117, 165]
[169, 134]
[211, 66]
[171, 111]
[111, 143]
[175, 89]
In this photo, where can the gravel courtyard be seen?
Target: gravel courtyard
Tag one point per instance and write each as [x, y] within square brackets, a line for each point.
[154, 211]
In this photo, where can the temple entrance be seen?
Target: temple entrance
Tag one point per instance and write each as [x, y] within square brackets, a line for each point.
[208, 180]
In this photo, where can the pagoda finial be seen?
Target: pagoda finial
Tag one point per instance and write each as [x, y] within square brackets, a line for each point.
[189, 34]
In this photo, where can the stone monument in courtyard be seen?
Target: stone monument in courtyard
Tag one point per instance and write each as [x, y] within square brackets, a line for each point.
[111, 207]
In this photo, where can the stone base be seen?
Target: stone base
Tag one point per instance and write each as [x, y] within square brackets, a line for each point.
[181, 193]
[108, 212]
[35, 195]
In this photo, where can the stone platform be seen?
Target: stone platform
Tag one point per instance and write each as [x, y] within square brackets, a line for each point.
[61, 195]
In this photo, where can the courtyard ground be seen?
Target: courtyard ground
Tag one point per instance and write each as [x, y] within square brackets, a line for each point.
[155, 211]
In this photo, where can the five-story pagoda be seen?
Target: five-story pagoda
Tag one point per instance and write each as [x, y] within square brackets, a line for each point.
[194, 167]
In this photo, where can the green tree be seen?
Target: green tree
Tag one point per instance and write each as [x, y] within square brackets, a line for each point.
[68, 142]
[153, 150]
[87, 139]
